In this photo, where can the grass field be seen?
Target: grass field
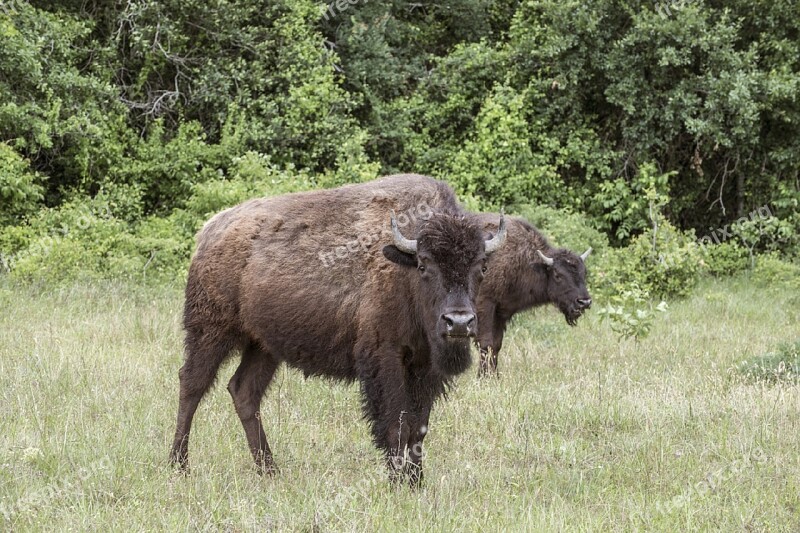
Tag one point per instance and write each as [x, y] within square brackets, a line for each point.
[579, 433]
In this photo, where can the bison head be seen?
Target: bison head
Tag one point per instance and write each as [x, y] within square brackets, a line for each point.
[449, 255]
[566, 282]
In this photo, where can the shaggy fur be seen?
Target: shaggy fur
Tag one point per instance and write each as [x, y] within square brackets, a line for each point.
[519, 280]
[263, 280]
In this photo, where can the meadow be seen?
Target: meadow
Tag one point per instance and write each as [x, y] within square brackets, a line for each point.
[581, 432]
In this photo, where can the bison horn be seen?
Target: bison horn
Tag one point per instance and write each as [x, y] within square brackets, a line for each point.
[404, 245]
[547, 260]
[585, 254]
[493, 244]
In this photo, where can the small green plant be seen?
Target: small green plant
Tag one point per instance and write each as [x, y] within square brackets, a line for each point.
[631, 313]
[630, 207]
[662, 260]
[780, 366]
[665, 263]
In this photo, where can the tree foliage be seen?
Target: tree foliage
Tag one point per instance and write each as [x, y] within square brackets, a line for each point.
[169, 109]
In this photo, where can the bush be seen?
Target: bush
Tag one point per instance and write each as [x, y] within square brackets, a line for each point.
[20, 186]
[252, 176]
[725, 259]
[564, 228]
[630, 208]
[772, 271]
[85, 240]
[769, 233]
[664, 263]
[498, 166]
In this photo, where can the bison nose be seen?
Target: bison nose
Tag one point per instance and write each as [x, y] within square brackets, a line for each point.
[459, 324]
[585, 303]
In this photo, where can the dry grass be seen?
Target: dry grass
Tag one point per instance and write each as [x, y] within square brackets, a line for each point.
[580, 432]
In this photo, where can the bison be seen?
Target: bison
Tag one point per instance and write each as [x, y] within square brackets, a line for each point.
[526, 273]
[312, 280]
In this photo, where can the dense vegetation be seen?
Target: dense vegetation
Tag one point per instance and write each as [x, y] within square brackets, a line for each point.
[664, 134]
[648, 126]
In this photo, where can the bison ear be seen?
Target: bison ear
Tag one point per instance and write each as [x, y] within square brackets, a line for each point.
[393, 254]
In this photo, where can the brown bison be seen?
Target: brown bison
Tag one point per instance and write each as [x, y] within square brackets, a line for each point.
[313, 280]
[526, 273]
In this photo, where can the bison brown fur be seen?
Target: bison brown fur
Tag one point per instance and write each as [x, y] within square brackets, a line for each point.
[396, 312]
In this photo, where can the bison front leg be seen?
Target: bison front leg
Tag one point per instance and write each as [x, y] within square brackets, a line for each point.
[405, 436]
[490, 343]
[488, 355]
[404, 449]
[387, 407]
[397, 443]
[416, 452]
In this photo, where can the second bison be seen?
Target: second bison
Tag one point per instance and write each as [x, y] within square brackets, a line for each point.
[527, 273]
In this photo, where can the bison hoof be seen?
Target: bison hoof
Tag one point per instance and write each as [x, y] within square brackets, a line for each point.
[267, 470]
[180, 462]
[180, 469]
[415, 477]
[488, 373]
[265, 465]
[409, 474]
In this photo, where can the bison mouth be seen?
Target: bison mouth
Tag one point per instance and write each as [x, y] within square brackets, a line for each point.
[572, 314]
[455, 337]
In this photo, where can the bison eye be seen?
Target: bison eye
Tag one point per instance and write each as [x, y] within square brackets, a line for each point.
[484, 269]
[421, 268]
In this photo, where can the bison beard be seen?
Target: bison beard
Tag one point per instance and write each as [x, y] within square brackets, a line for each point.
[454, 357]
[401, 326]
[571, 314]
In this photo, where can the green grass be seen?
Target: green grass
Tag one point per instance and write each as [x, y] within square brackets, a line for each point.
[579, 433]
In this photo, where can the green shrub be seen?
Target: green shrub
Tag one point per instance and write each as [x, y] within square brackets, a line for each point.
[165, 169]
[164, 245]
[13, 239]
[725, 259]
[629, 207]
[564, 228]
[772, 271]
[769, 234]
[77, 247]
[664, 262]
[498, 166]
[20, 187]
[631, 312]
[781, 366]
[124, 200]
[251, 176]
[84, 239]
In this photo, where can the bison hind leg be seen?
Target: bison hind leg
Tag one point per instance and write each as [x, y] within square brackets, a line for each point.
[247, 387]
[204, 355]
